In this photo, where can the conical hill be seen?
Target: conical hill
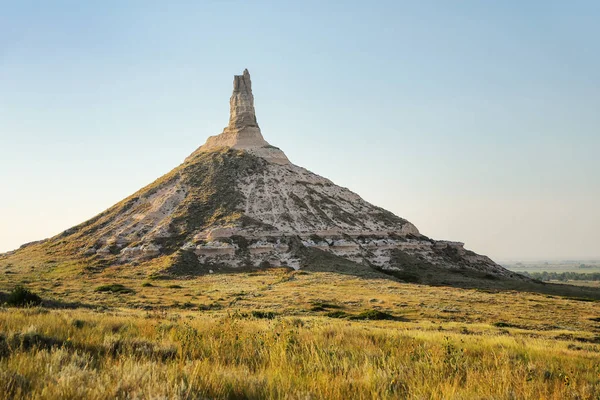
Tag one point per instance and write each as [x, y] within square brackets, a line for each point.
[238, 202]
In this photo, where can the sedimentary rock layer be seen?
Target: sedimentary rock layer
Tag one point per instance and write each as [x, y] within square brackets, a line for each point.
[243, 132]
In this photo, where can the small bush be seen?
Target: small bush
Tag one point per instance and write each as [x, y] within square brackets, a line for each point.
[337, 314]
[373, 315]
[320, 306]
[29, 339]
[212, 306]
[114, 288]
[263, 314]
[501, 324]
[147, 284]
[77, 323]
[22, 297]
[175, 287]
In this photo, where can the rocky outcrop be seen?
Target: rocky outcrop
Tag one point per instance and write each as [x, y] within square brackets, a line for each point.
[238, 202]
[242, 115]
[293, 200]
[243, 132]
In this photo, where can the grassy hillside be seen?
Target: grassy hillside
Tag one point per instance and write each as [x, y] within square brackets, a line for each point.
[208, 198]
[278, 333]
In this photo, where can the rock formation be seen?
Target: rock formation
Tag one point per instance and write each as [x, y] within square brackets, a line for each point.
[238, 202]
[241, 107]
[243, 131]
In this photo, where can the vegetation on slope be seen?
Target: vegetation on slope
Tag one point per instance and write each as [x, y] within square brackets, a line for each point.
[213, 197]
[415, 270]
[22, 297]
[210, 198]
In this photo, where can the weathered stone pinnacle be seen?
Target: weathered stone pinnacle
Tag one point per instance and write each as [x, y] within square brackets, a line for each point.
[243, 132]
[241, 104]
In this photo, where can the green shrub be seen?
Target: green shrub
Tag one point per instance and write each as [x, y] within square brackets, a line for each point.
[321, 306]
[263, 314]
[22, 297]
[502, 324]
[147, 284]
[373, 315]
[78, 323]
[114, 288]
[175, 287]
[337, 314]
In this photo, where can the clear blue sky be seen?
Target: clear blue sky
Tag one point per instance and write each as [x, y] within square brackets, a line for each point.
[478, 121]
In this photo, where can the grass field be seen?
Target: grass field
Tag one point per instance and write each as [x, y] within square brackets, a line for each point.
[592, 284]
[579, 266]
[292, 334]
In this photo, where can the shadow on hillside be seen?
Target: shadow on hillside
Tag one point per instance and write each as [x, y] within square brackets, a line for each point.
[466, 278]
[416, 271]
[54, 304]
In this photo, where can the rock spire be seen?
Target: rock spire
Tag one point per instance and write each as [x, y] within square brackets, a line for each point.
[241, 105]
[243, 132]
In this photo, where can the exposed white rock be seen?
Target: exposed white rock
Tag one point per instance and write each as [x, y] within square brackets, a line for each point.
[131, 252]
[103, 251]
[243, 132]
[281, 247]
[217, 245]
[216, 248]
[344, 243]
[144, 250]
[153, 221]
[150, 249]
[261, 247]
[296, 201]
[221, 233]
[442, 244]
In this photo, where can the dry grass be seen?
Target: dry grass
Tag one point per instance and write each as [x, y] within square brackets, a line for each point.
[267, 335]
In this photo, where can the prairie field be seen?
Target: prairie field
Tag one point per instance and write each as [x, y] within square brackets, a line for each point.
[293, 334]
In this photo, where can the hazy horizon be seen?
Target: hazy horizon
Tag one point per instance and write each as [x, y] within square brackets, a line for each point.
[477, 123]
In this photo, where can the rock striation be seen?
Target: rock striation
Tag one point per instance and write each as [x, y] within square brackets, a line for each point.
[243, 132]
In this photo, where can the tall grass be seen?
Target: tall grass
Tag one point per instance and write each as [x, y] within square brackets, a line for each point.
[128, 354]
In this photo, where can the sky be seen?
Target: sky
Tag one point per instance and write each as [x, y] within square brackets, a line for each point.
[478, 121]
